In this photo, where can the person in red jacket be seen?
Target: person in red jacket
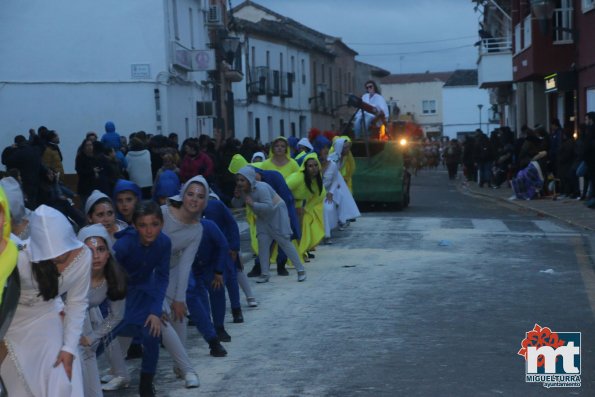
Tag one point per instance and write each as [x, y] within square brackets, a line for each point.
[195, 162]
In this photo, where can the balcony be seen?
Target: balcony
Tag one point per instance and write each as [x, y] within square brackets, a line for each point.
[494, 66]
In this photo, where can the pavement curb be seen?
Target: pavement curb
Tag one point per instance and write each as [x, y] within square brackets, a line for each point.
[519, 203]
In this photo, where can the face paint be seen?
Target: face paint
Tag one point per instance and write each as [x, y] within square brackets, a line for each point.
[93, 242]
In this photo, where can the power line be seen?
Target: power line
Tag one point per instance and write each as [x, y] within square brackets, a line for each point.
[417, 52]
[414, 42]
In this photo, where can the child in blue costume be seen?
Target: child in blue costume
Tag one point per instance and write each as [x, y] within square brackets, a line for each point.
[207, 280]
[222, 216]
[144, 253]
[126, 195]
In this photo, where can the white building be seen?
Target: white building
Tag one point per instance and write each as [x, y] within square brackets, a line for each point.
[274, 99]
[466, 107]
[73, 65]
[418, 96]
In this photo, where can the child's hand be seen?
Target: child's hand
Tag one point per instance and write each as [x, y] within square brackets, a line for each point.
[154, 324]
[249, 201]
[217, 281]
[66, 360]
[178, 311]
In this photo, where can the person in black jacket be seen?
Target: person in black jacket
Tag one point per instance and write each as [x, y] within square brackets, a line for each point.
[484, 157]
[27, 159]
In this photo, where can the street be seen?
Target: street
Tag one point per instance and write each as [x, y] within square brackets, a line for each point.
[430, 301]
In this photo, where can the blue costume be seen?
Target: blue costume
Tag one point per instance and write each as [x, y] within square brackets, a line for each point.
[123, 185]
[211, 258]
[147, 268]
[111, 139]
[166, 185]
[222, 216]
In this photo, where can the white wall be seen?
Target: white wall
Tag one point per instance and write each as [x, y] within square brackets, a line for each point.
[461, 112]
[409, 98]
[288, 109]
[79, 40]
[73, 110]
[68, 65]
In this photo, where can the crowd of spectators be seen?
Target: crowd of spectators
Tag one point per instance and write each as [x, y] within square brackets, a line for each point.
[556, 162]
[36, 161]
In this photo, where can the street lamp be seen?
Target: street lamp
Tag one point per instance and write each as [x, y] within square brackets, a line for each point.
[480, 106]
[230, 46]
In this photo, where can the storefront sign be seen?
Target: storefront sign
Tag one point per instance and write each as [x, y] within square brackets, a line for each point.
[551, 83]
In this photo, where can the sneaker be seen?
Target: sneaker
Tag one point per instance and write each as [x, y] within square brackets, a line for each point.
[262, 279]
[302, 276]
[328, 241]
[222, 334]
[107, 378]
[191, 380]
[252, 302]
[311, 255]
[117, 383]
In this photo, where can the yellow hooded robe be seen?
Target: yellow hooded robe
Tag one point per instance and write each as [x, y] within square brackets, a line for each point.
[313, 218]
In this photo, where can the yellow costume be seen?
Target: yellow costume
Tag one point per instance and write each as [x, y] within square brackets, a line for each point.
[313, 218]
[9, 256]
[288, 168]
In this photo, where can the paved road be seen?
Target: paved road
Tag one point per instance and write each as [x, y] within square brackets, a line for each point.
[431, 301]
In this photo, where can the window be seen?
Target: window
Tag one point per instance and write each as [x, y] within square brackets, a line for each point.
[257, 129]
[428, 107]
[588, 5]
[204, 109]
[303, 72]
[282, 127]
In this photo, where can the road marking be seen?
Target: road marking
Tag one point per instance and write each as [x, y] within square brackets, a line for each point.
[490, 225]
[549, 227]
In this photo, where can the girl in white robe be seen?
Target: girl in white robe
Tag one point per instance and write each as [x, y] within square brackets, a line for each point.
[43, 338]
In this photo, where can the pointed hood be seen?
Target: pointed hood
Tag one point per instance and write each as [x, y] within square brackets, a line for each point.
[258, 154]
[195, 179]
[305, 143]
[320, 142]
[51, 234]
[167, 185]
[123, 185]
[96, 230]
[237, 162]
[110, 126]
[337, 149]
[307, 157]
[95, 196]
[249, 173]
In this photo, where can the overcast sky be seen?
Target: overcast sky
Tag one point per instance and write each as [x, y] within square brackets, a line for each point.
[401, 36]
